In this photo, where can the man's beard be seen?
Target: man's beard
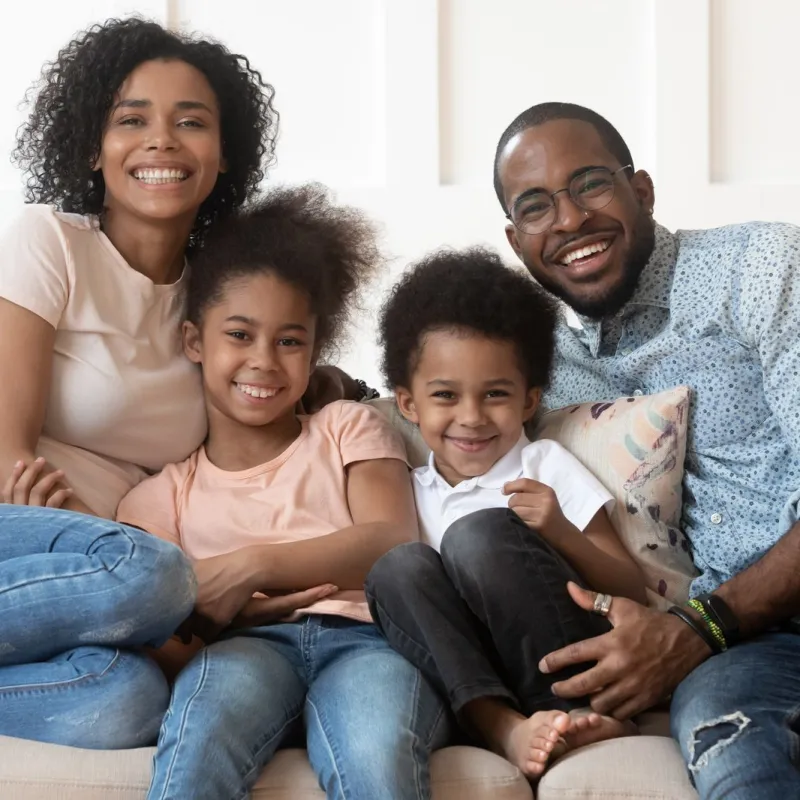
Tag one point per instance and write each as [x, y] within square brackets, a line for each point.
[608, 304]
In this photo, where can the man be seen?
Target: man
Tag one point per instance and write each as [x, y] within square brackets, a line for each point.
[718, 310]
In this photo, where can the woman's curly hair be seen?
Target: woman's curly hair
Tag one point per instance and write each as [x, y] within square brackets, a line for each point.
[63, 135]
[470, 292]
[326, 251]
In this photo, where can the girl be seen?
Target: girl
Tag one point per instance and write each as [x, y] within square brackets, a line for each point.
[276, 501]
[138, 142]
[506, 522]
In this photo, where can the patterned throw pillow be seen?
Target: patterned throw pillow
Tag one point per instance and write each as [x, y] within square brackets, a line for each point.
[636, 447]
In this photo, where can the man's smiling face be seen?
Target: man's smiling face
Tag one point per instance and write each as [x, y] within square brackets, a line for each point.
[592, 260]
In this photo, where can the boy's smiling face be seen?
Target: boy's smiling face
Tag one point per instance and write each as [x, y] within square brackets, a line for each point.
[469, 398]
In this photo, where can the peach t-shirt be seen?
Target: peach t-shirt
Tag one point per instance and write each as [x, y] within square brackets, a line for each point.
[301, 494]
[123, 398]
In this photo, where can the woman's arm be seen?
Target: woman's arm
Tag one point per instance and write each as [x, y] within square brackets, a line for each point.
[26, 365]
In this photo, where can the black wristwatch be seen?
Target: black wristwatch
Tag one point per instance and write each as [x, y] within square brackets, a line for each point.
[721, 613]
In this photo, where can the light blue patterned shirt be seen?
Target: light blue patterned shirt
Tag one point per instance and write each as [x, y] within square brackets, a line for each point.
[719, 311]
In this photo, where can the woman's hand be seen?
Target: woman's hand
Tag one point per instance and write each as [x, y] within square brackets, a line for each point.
[31, 485]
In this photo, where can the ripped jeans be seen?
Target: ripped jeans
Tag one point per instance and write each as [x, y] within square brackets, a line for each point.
[737, 720]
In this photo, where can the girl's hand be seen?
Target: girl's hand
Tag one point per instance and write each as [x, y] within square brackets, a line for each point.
[28, 486]
[224, 585]
[266, 610]
[538, 506]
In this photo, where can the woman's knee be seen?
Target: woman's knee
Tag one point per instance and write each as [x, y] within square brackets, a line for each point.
[158, 589]
[118, 700]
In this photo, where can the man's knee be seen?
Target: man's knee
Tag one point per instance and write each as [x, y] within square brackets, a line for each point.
[706, 720]
[403, 567]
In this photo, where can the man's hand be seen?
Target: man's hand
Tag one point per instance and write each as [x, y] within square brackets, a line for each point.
[30, 485]
[639, 663]
[537, 506]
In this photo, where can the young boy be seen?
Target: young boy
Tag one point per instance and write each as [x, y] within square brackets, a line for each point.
[505, 523]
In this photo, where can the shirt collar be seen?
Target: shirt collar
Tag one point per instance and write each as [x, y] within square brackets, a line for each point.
[505, 469]
[655, 282]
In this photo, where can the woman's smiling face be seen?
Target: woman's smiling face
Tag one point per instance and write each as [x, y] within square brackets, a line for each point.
[161, 151]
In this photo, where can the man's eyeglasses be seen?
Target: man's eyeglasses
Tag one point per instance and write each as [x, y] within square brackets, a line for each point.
[591, 191]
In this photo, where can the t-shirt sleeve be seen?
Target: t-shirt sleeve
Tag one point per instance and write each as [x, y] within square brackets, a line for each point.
[364, 434]
[33, 263]
[580, 494]
[153, 505]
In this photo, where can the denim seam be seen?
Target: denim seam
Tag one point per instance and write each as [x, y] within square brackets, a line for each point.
[329, 742]
[255, 765]
[60, 686]
[182, 725]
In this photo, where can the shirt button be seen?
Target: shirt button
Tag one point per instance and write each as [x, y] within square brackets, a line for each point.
[637, 392]
[716, 518]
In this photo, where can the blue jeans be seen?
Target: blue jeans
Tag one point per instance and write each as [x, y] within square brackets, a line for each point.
[370, 718]
[78, 596]
[737, 720]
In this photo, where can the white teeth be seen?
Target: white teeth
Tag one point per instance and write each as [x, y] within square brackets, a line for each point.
[256, 391]
[153, 176]
[583, 252]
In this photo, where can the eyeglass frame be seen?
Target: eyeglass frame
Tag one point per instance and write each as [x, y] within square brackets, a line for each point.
[552, 196]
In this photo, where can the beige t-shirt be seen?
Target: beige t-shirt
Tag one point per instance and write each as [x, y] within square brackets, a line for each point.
[123, 398]
[301, 494]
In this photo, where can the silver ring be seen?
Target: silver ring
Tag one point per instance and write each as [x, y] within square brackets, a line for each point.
[602, 604]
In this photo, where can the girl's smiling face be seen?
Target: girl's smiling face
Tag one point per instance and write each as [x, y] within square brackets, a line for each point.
[256, 348]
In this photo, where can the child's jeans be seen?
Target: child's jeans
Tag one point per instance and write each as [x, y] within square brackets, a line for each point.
[78, 596]
[370, 718]
[478, 619]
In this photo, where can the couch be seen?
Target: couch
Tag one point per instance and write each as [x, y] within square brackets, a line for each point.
[642, 474]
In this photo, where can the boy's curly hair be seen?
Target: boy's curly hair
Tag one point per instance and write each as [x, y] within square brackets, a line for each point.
[470, 291]
[62, 137]
[327, 251]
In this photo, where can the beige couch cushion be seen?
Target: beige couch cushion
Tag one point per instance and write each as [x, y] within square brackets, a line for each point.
[34, 771]
[648, 767]
[636, 447]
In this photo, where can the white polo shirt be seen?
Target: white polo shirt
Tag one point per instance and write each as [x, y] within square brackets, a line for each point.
[579, 493]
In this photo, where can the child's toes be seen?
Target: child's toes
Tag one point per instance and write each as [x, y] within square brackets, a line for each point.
[547, 745]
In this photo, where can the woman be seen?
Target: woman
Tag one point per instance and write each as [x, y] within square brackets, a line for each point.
[139, 140]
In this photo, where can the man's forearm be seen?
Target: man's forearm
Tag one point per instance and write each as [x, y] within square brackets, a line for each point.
[768, 592]
[342, 558]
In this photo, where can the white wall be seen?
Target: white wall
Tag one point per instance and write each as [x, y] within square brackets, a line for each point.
[398, 104]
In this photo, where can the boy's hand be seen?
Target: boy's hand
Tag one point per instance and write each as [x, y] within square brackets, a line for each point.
[28, 486]
[538, 506]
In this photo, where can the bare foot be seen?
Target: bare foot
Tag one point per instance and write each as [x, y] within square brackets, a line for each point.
[587, 727]
[533, 741]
